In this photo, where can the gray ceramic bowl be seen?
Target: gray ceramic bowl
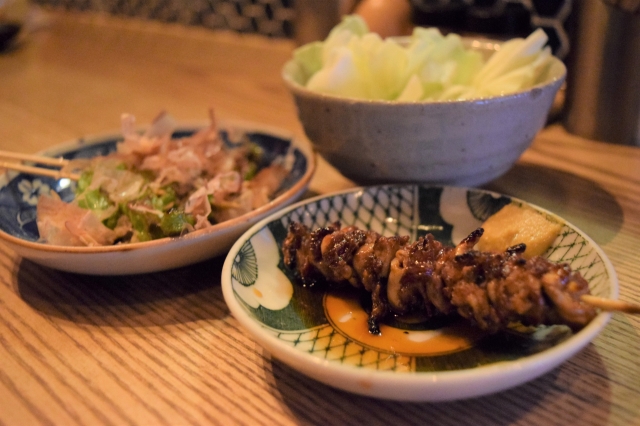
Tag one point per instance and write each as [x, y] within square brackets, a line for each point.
[453, 142]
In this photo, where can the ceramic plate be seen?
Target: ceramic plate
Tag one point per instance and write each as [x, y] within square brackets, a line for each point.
[19, 193]
[314, 332]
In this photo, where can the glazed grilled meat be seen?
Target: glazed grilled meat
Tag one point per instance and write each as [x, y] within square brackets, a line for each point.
[489, 289]
[348, 256]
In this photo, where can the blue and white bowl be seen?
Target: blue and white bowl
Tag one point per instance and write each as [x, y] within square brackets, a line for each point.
[19, 194]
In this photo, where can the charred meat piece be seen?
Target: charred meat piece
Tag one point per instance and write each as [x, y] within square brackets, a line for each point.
[372, 263]
[489, 289]
[414, 279]
[302, 252]
[343, 257]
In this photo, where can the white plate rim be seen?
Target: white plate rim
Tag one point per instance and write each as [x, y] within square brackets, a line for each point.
[416, 386]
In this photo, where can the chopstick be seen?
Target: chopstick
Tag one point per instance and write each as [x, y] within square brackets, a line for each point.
[37, 159]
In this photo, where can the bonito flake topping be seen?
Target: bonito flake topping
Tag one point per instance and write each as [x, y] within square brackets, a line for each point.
[155, 186]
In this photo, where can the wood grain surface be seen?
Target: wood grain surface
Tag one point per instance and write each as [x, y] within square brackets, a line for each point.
[162, 348]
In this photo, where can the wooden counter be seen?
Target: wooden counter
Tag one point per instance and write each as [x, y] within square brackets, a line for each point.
[162, 348]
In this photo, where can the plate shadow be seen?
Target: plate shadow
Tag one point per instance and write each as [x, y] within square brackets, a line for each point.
[568, 388]
[176, 296]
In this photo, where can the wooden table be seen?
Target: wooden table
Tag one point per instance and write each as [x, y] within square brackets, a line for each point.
[162, 348]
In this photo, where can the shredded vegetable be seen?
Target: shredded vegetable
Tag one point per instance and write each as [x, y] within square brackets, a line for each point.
[355, 63]
[156, 186]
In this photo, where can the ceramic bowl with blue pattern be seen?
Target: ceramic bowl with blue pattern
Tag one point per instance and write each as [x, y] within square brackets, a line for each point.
[324, 334]
[19, 194]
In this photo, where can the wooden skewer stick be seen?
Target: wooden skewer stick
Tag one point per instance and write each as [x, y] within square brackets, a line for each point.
[611, 305]
[38, 159]
[56, 174]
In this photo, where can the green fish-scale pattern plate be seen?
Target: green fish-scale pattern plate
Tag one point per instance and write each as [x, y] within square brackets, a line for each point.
[310, 329]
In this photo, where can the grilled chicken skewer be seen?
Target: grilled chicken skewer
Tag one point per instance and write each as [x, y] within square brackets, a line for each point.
[491, 290]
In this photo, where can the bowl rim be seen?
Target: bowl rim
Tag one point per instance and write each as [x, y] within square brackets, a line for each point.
[300, 143]
[473, 42]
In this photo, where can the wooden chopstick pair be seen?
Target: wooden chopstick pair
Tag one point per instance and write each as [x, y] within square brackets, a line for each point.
[36, 159]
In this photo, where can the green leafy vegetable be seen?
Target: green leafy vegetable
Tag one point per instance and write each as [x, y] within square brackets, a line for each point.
[355, 63]
[175, 222]
[94, 200]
